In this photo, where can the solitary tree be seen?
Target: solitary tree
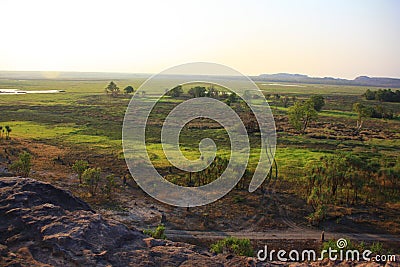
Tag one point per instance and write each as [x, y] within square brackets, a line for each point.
[129, 90]
[363, 112]
[8, 131]
[175, 92]
[318, 101]
[113, 89]
[301, 114]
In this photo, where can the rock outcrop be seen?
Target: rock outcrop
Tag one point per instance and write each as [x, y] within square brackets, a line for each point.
[42, 225]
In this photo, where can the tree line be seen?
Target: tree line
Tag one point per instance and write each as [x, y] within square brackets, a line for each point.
[383, 95]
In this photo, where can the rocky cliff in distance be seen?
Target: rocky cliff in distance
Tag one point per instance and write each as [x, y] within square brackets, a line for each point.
[300, 78]
[41, 225]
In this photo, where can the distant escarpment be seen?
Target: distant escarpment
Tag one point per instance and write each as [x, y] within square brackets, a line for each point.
[300, 78]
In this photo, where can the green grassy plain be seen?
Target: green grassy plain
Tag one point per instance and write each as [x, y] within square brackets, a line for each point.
[85, 117]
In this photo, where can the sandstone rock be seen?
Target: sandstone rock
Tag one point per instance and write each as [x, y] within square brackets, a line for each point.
[42, 225]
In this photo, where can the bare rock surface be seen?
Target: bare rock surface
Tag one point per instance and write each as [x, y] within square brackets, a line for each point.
[42, 225]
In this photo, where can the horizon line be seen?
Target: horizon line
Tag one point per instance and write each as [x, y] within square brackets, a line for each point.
[150, 74]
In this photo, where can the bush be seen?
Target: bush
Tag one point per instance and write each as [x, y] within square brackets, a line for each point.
[238, 199]
[109, 186]
[318, 101]
[376, 248]
[318, 215]
[79, 167]
[23, 165]
[158, 233]
[91, 179]
[332, 243]
[237, 246]
[129, 90]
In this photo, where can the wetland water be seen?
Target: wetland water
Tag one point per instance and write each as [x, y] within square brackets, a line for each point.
[22, 92]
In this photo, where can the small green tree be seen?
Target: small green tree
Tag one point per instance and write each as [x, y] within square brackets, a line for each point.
[109, 186]
[112, 88]
[301, 114]
[8, 131]
[79, 167]
[23, 165]
[129, 90]
[363, 112]
[369, 95]
[175, 92]
[1, 132]
[91, 179]
[318, 101]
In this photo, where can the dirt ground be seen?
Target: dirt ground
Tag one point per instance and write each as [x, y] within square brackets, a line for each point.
[237, 211]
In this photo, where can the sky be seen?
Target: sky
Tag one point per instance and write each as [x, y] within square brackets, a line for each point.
[320, 38]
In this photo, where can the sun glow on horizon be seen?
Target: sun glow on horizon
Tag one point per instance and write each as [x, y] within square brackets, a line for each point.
[319, 38]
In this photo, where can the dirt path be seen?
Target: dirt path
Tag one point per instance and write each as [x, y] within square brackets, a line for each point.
[281, 235]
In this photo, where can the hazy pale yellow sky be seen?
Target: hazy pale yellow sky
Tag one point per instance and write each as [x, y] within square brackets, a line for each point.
[315, 37]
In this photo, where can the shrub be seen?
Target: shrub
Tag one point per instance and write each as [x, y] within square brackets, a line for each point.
[240, 247]
[158, 233]
[23, 165]
[109, 186]
[318, 215]
[376, 248]
[79, 167]
[238, 199]
[91, 179]
[8, 131]
[129, 90]
[332, 243]
[318, 102]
